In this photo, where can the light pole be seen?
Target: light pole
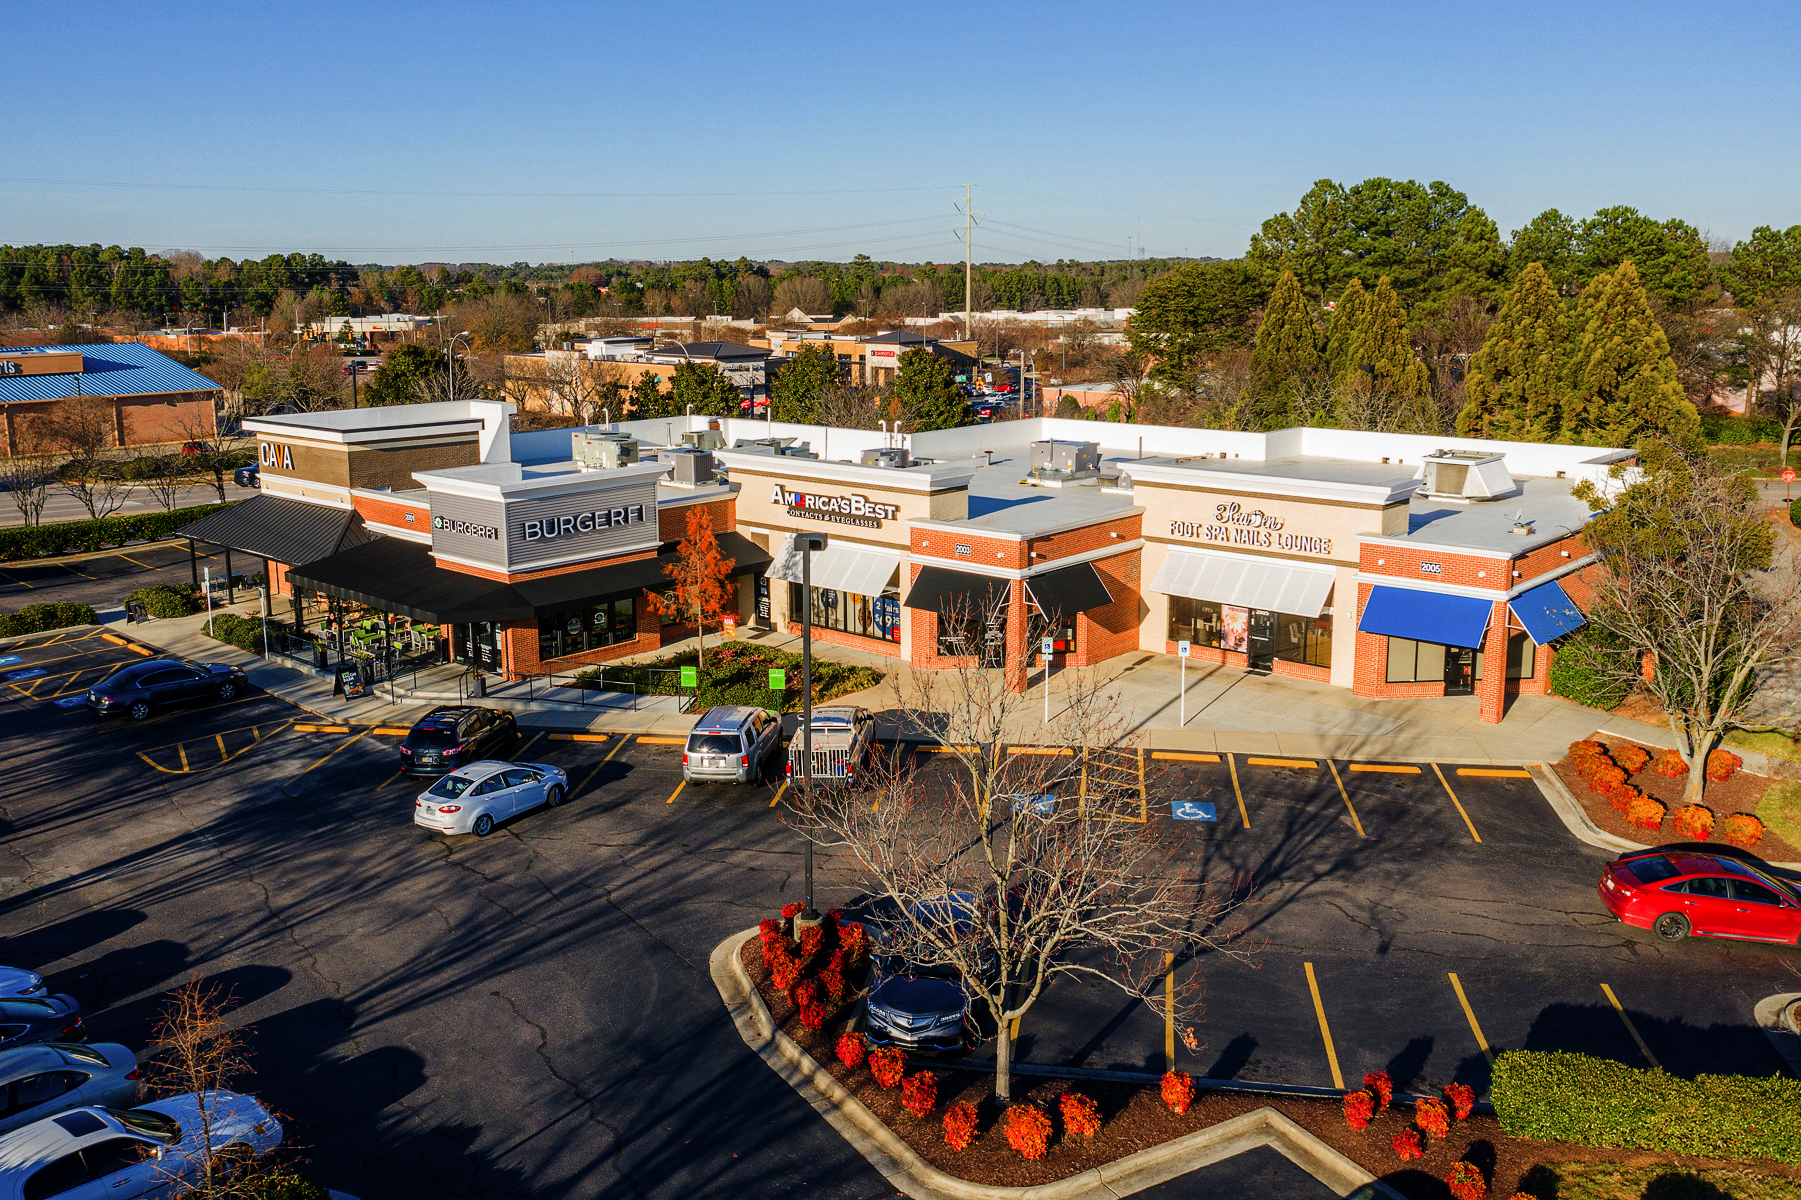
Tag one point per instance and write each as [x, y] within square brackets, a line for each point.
[808, 543]
[450, 361]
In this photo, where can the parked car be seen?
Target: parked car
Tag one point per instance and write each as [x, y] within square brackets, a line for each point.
[476, 798]
[1676, 894]
[731, 742]
[453, 734]
[843, 737]
[41, 1081]
[141, 688]
[17, 981]
[155, 1151]
[919, 1006]
[28, 1020]
[251, 476]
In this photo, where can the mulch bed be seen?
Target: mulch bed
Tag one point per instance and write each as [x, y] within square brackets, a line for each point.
[1738, 794]
[1134, 1118]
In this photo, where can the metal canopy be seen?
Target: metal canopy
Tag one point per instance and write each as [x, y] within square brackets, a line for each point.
[1298, 589]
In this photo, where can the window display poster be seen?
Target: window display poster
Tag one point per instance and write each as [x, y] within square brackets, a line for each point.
[1235, 628]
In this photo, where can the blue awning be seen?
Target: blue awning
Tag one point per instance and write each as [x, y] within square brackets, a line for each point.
[1547, 612]
[1426, 616]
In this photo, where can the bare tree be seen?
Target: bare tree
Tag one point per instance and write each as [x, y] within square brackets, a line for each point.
[1772, 351]
[804, 292]
[83, 429]
[203, 452]
[29, 472]
[753, 297]
[164, 476]
[1694, 589]
[1021, 869]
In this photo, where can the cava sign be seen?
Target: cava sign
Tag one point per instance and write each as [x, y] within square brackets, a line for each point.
[1234, 525]
[845, 510]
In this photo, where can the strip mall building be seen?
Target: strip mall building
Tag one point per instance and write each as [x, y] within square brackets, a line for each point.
[1391, 565]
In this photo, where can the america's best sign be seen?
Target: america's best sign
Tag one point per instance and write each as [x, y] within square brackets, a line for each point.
[846, 510]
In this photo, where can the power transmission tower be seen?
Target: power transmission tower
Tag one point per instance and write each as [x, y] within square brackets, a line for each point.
[968, 209]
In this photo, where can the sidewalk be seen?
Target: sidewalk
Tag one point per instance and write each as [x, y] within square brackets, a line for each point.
[1228, 709]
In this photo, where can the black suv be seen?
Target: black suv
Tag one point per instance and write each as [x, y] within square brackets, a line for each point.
[251, 476]
[452, 735]
[138, 689]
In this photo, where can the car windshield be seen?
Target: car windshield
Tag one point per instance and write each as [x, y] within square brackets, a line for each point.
[894, 964]
[714, 743]
[451, 786]
[150, 1124]
[1652, 870]
[432, 737]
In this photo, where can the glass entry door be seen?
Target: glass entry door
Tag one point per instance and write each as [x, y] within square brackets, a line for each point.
[1460, 671]
[478, 645]
[1261, 644]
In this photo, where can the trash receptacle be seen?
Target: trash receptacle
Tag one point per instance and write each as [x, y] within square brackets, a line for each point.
[481, 686]
[321, 657]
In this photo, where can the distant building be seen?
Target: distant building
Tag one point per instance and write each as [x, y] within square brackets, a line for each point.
[384, 327]
[872, 358]
[154, 399]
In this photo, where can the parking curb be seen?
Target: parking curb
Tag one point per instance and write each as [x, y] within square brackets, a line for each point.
[1582, 826]
[913, 1176]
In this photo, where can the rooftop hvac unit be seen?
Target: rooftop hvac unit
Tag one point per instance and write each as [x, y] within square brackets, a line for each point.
[885, 456]
[1074, 457]
[1465, 476]
[692, 468]
[704, 439]
[603, 451]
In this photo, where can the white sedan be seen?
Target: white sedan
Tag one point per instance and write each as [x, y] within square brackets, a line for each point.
[158, 1150]
[475, 798]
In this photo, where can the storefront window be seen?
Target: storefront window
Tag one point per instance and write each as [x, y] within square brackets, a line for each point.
[1415, 662]
[579, 630]
[1304, 639]
[976, 631]
[1062, 633]
[865, 616]
[1197, 621]
[1227, 627]
[1522, 657]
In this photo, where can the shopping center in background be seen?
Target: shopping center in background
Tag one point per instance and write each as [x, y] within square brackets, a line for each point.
[1392, 565]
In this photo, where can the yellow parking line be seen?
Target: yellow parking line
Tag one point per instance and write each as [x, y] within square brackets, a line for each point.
[1469, 1015]
[1180, 756]
[1493, 773]
[1325, 1030]
[1169, 1011]
[182, 749]
[220, 738]
[1347, 798]
[661, 741]
[528, 745]
[1053, 751]
[321, 729]
[390, 781]
[134, 562]
[1303, 763]
[589, 777]
[676, 792]
[359, 737]
[580, 737]
[1454, 800]
[777, 799]
[1232, 765]
[923, 749]
[1630, 1027]
[1385, 769]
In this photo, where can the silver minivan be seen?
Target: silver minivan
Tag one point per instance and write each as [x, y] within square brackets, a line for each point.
[731, 742]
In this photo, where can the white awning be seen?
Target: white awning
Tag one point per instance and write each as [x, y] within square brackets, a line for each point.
[859, 570]
[1240, 579]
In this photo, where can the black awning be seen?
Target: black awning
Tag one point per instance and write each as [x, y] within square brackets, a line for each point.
[286, 531]
[401, 577]
[1068, 590]
[942, 590]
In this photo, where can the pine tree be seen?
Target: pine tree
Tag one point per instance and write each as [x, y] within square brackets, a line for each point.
[928, 392]
[1380, 341]
[1288, 348]
[1623, 385]
[706, 388]
[796, 393]
[1516, 381]
[1342, 330]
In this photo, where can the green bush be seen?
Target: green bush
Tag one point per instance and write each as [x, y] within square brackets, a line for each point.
[1585, 666]
[1560, 1096]
[738, 673]
[1794, 511]
[1723, 430]
[37, 618]
[287, 1184]
[1780, 809]
[167, 600]
[77, 537]
[246, 633]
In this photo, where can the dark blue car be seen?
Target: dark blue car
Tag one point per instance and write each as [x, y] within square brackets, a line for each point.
[916, 1006]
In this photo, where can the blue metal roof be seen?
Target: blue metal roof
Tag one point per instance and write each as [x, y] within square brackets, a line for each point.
[120, 369]
[1547, 612]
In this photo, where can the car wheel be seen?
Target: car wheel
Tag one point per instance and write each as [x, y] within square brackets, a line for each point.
[554, 796]
[484, 825]
[1671, 927]
[139, 709]
[227, 690]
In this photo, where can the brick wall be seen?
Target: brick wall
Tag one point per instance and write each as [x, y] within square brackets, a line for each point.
[160, 420]
[835, 637]
[672, 520]
[376, 469]
[1007, 553]
[1088, 538]
[1464, 570]
[649, 631]
[1104, 633]
[385, 511]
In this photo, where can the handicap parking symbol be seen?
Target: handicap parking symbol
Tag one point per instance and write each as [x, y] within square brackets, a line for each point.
[10, 658]
[70, 701]
[1192, 810]
[31, 673]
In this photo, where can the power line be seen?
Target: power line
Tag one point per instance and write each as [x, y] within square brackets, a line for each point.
[317, 191]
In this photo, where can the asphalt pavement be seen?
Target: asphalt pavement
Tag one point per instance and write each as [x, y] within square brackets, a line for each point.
[61, 506]
[103, 580]
[531, 1013]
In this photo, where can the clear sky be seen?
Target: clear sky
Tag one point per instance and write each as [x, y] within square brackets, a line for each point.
[401, 132]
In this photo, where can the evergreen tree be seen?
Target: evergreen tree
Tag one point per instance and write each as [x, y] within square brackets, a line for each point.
[1515, 385]
[796, 392]
[928, 392]
[1623, 385]
[706, 388]
[1288, 348]
[1341, 331]
[649, 400]
[1380, 341]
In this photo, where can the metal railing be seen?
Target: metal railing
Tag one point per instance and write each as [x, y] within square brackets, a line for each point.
[556, 687]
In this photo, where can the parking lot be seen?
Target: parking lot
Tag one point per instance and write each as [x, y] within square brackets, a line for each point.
[531, 1013]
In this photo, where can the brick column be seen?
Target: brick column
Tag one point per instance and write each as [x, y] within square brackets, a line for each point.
[1492, 689]
[1018, 667]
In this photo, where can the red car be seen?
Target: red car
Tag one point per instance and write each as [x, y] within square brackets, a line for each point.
[1678, 893]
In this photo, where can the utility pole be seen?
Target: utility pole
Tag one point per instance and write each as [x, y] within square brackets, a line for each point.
[969, 228]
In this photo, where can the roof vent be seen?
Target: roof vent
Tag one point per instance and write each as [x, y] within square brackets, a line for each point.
[692, 468]
[1521, 525]
[603, 451]
[885, 456]
[1465, 476]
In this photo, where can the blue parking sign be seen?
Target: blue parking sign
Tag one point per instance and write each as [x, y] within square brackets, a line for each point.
[1192, 810]
[1041, 806]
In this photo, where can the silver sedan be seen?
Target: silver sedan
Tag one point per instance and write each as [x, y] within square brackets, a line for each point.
[41, 1081]
[476, 798]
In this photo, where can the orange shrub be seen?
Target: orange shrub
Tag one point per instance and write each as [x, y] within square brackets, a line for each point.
[1645, 813]
[1620, 798]
[1028, 1131]
[1177, 1091]
[1359, 1107]
[1407, 1145]
[1742, 830]
[1466, 1181]
[960, 1125]
[919, 1094]
[851, 1050]
[1670, 764]
[887, 1065]
[1080, 1114]
[1430, 1115]
[1722, 765]
[1381, 1087]
[1631, 758]
[1585, 750]
[1462, 1099]
[1605, 777]
[1693, 822]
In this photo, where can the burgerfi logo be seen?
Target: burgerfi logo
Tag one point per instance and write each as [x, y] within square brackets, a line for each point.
[848, 506]
[467, 528]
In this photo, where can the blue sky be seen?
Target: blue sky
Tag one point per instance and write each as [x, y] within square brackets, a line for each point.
[498, 133]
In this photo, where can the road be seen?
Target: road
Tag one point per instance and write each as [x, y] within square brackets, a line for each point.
[531, 1013]
[104, 580]
[63, 507]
